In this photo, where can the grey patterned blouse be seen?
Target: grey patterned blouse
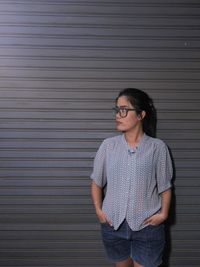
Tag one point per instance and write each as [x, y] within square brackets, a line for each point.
[134, 178]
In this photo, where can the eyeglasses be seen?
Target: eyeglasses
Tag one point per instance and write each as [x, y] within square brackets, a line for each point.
[123, 111]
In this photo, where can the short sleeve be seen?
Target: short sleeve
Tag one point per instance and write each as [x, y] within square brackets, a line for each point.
[99, 172]
[164, 169]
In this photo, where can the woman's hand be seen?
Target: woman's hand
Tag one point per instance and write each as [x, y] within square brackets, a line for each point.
[156, 219]
[162, 215]
[102, 217]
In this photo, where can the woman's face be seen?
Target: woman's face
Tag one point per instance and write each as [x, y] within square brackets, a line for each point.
[132, 121]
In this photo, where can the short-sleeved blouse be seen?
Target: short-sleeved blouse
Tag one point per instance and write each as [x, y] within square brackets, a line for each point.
[134, 178]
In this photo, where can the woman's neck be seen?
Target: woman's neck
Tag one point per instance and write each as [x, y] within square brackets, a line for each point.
[133, 138]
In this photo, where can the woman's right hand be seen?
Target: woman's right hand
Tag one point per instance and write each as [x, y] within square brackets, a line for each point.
[102, 217]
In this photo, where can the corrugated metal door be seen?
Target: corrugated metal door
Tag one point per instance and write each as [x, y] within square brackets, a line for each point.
[62, 64]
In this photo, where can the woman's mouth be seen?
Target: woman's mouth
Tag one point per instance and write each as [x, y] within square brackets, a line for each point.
[118, 122]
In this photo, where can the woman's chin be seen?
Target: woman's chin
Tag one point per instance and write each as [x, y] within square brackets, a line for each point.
[121, 129]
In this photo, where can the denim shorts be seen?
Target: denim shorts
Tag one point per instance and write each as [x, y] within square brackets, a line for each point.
[144, 246]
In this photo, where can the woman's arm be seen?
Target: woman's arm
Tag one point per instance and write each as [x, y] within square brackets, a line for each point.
[163, 214]
[96, 193]
[165, 203]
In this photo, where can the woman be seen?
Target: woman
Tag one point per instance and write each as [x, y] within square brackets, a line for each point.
[135, 167]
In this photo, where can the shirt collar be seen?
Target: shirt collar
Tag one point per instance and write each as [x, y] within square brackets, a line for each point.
[141, 142]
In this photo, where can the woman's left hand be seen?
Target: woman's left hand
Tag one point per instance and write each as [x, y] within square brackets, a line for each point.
[156, 219]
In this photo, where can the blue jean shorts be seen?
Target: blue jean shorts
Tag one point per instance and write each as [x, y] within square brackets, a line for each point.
[145, 246]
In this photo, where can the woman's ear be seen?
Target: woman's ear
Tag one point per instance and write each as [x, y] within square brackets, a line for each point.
[142, 115]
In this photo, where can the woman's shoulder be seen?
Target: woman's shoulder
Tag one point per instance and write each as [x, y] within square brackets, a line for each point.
[156, 141]
[111, 141]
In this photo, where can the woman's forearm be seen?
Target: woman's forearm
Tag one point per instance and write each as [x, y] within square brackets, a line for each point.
[165, 202]
[96, 193]
[162, 215]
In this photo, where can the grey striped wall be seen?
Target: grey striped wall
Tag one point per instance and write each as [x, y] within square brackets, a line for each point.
[62, 63]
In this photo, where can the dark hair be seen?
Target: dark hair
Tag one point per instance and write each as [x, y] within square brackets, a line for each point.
[142, 102]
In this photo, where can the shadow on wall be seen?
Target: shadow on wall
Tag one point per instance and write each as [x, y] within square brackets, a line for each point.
[170, 221]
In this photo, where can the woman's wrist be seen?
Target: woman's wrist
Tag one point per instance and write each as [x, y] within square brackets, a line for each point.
[163, 214]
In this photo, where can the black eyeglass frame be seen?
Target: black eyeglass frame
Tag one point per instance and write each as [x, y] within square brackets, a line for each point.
[119, 110]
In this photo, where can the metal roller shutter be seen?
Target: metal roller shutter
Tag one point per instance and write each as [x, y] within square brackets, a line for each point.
[62, 63]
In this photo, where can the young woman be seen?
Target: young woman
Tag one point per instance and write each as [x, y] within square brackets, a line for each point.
[135, 167]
